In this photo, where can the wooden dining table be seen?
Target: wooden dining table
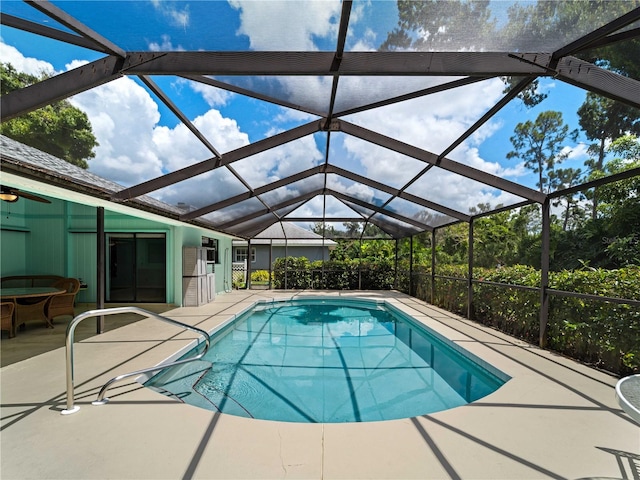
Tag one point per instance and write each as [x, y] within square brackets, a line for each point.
[29, 302]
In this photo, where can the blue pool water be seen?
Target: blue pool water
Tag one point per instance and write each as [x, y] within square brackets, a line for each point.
[329, 361]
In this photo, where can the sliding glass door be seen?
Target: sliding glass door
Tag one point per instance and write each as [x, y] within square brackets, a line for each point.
[136, 267]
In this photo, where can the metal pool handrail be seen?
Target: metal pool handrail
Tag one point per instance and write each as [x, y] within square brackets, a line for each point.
[112, 311]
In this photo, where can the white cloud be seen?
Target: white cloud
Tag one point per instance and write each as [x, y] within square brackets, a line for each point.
[433, 123]
[577, 152]
[332, 207]
[311, 92]
[458, 192]
[29, 65]
[288, 114]
[120, 156]
[487, 130]
[165, 45]
[123, 117]
[355, 190]
[279, 162]
[269, 25]
[377, 163]
[177, 17]
[134, 147]
[367, 43]
[214, 96]
[181, 148]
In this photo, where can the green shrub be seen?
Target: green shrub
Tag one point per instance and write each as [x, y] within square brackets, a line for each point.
[260, 276]
[602, 334]
[605, 334]
[511, 310]
[377, 274]
[292, 272]
[370, 274]
[335, 275]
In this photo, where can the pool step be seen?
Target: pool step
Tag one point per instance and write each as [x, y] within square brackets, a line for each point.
[178, 381]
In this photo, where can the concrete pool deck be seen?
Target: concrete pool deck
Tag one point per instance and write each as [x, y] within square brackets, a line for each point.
[554, 419]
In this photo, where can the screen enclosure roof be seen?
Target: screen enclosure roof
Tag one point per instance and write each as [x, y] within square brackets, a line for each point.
[321, 111]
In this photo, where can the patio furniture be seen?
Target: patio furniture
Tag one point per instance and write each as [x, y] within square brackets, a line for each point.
[63, 304]
[628, 395]
[26, 281]
[29, 302]
[6, 318]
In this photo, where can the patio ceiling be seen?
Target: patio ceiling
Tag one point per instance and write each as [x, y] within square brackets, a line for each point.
[331, 90]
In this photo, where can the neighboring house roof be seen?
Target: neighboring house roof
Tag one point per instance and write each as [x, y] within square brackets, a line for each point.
[287, 233]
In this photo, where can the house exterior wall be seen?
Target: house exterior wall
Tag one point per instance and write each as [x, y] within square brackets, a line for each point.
[13, 246]
[60, 239]
[30, 241]
[80, 227]
[312, 253]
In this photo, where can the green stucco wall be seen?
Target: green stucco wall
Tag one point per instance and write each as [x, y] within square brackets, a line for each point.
[60, 239]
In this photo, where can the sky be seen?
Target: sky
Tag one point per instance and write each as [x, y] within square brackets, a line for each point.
[140, 139]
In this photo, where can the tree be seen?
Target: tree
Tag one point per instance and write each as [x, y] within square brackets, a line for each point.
[620, 203]
[452, 244]
[624, 193]
[328, 231]
[469, 25]
[539, 144]
[526, 225]
[376, 249]
[494, 241]
[610, 240]
[603, 120]
[432, 25]
[560, 23]
[627, 148]
[420, 251]
[59, 129]
[352, 229]
[560, 179]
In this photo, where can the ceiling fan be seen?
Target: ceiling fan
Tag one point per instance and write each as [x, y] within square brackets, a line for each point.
[11, 195]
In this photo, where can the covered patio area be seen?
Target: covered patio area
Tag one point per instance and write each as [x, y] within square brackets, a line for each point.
[555, 418]
[35, 339]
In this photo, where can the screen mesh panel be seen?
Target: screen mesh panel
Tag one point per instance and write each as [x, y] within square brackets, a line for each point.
[400, 113]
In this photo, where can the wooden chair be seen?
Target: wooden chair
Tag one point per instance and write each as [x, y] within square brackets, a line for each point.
[30, 309]
[62, 304]
[6, 318]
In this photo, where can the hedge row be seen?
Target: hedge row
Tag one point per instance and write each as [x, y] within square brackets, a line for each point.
[299, 273]
[602, 334]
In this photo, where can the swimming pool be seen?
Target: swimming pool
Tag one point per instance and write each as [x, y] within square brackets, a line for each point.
[329, 360]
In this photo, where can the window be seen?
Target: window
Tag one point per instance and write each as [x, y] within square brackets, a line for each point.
[212, 249]
[241, 254]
